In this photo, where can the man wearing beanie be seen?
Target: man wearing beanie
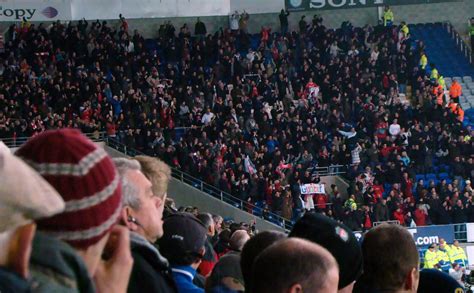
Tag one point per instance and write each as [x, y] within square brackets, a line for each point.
[183, 245]
[142, 214]
[82, 243]
[338, 240]
[391, 261]
[24, 197]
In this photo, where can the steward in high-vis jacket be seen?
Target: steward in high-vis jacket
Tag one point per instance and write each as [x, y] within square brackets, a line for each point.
[443, 257]
[458, 255]
[431, 258]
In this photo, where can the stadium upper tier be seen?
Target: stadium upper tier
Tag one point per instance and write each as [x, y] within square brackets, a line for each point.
[250, 114]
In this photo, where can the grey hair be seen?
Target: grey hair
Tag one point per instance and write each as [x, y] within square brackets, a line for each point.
[238, 240]
[129, 189]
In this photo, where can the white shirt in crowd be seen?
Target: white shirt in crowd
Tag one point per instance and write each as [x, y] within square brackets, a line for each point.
[374, 55]
[394, 129]
[353, 52]
[234, 21]
[355, 154]
[207, 118]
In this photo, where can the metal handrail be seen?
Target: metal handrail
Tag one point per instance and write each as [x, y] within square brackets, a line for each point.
[211, 190]
[460, 42]
[15, 142]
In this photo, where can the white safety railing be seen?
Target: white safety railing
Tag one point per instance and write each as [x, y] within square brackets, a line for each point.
[460, 41]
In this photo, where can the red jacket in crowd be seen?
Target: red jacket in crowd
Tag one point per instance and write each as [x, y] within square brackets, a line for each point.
[419, 217]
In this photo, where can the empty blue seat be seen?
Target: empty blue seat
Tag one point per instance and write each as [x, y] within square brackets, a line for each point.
[431, 176]
[257, 211]
[443, 176]
[419, 177]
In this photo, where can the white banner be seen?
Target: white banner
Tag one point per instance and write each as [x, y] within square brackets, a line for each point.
[111, 9]
[312, 188]
[470, 232]
[35, 11]
[259, 6]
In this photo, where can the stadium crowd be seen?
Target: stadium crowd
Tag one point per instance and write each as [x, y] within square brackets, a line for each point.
[75, 220]
[252, 115]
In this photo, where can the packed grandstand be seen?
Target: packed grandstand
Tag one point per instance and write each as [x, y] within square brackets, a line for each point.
[254, 115]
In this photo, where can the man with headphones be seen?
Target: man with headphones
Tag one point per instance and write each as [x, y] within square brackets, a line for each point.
[142, 213]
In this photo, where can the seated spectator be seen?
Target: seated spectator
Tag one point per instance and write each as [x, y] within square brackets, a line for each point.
[183, 245]
[457, 272]
[226, 276]
[67, 253]
[210, 257]
[394, 245]
[24, 198]
[142, 213]
[339, 240]
[252, 249]
[295, 265]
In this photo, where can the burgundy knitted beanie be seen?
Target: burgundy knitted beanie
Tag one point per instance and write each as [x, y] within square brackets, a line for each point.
[85, 177]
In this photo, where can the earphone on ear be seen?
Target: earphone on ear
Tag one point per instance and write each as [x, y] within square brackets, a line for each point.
[133, 220]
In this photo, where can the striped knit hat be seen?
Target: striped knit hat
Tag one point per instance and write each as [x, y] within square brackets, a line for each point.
[85, 177]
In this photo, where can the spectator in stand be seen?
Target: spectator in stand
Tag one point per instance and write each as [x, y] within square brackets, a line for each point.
[381, 211]
[210, 257]
[389, 244]
[200, 29]
[457, 272]
[284, 21]
[243, 22]
[183, 245]
[303, 266]
[142, 213]
[339, 240]
[420, 216]
[24, 198]
[252, 249]
[394, 129]
[302, 24]
[71, 244]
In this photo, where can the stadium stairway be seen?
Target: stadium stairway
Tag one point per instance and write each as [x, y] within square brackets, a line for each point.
[441, 50]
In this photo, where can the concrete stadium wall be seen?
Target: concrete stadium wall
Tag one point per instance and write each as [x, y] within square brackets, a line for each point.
[186, 195]
[457, 13]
